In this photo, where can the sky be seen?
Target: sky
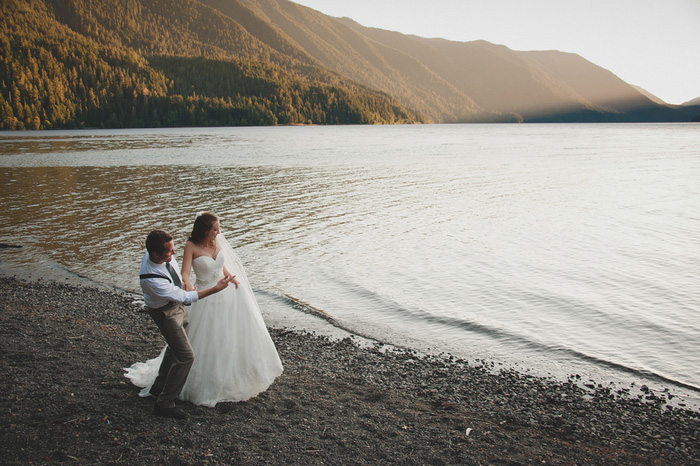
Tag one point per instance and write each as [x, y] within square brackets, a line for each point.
[654, 44]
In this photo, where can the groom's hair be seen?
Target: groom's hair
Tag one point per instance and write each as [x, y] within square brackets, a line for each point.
[155, 241]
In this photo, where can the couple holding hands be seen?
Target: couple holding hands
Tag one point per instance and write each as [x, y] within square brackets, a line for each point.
[235, 357]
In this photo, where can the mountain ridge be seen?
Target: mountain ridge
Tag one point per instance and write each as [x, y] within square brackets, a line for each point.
[237, 62]
[86, 63]
[430, 75]
[533, 85]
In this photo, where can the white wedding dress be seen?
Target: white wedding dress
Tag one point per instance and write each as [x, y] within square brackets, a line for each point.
[235, 358]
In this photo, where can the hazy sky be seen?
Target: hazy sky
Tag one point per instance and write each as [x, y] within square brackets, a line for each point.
[654, 44]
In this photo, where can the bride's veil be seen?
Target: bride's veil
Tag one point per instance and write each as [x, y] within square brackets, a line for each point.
[234, 265]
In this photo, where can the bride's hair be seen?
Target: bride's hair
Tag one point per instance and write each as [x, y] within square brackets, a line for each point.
[202, 224]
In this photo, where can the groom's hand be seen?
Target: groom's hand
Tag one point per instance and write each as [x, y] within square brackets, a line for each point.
[220, 285]
[223, 283]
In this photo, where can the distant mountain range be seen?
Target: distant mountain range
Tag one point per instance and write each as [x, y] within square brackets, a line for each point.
[692, 102]
[126, 63]
[463, 81]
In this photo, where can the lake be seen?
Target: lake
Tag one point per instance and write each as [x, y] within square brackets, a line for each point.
[557, 249]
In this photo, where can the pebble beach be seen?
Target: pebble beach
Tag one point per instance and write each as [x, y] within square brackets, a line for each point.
[65, 401]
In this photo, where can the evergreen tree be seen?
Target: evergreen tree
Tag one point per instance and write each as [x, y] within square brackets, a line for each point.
[68, 64]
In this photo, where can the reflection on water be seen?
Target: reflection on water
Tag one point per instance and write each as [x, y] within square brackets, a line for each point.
[95, 220]
[565, 247]
[47, 142]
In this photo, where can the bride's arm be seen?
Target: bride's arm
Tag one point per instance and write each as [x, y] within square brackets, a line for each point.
[187, 266]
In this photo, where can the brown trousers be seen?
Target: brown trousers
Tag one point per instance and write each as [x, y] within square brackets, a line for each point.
[172, 321]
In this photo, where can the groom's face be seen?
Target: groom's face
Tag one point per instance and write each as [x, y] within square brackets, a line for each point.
[166, 255]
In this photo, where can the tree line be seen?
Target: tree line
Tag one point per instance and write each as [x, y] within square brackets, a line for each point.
[54, 77]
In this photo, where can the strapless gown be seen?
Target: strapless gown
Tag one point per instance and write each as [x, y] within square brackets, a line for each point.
[235, 358]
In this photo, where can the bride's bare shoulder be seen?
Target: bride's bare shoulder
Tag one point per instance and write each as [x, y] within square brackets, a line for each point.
[191, 246]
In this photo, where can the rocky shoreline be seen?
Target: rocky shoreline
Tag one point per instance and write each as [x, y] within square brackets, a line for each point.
[65, 401]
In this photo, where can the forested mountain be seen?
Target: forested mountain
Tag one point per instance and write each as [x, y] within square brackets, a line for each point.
[465, 81]
[529, 86]
[133, 63]
[116, 63]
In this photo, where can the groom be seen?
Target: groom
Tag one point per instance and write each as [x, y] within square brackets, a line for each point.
[165, 302]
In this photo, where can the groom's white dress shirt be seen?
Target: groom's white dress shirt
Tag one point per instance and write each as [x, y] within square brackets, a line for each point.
[157, 292]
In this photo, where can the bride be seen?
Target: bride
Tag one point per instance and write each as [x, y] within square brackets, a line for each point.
[235, 358]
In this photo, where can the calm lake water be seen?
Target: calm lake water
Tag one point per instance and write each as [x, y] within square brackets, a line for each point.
[560, 249]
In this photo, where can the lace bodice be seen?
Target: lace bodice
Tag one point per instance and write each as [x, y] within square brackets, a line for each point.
[208, 270]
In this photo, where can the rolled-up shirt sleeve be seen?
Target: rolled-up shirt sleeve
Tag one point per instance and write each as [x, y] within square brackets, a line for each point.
[158, 292]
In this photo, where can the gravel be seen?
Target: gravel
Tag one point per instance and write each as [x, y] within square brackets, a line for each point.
[65, 401]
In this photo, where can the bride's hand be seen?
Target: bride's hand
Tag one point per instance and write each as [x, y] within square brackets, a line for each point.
[233, 280]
